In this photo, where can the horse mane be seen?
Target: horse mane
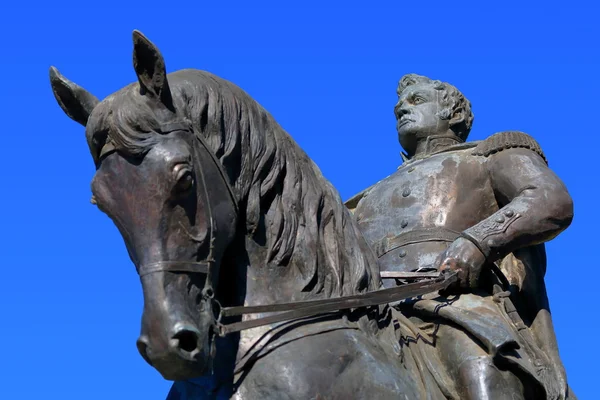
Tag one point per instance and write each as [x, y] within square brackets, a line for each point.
[288, 205]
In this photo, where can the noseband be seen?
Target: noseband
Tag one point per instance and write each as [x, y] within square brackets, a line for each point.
[201, 267]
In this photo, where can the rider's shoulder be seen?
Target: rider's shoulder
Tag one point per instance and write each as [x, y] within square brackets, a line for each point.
[506, 140]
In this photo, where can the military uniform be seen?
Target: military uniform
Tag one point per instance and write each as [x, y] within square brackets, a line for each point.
[500, 195]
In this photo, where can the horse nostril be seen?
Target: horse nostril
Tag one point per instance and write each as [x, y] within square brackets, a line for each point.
[142, 346]
[187, 340]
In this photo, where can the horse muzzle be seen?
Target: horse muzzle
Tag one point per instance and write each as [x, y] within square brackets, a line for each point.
[177, 336]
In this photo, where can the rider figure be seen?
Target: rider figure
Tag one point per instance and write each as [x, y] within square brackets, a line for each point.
[483, 209]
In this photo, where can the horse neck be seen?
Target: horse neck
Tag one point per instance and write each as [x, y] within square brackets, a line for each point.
[249, 280]
[261, 282]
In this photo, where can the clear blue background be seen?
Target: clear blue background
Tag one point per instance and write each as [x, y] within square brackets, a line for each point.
[70, 299]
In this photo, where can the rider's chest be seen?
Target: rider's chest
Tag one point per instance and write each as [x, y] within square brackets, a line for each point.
[431, 189]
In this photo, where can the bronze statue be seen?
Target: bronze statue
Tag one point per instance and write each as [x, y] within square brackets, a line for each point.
[482, 209]
[258, 282]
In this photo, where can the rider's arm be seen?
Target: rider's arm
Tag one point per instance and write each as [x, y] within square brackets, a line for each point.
[535, 205]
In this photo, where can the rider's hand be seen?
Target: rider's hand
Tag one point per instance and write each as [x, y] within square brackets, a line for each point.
[466, 259]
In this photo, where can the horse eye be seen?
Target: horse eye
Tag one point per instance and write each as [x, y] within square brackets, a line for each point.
[184, 178]
[185, 181]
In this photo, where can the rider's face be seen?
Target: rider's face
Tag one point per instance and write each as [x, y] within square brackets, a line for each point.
[417, 115]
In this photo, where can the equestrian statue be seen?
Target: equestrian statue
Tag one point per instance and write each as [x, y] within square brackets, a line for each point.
[259, 282]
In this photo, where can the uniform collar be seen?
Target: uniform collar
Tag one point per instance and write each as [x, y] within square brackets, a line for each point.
[435, 144]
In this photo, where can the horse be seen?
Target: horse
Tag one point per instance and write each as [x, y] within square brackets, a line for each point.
[219, 207]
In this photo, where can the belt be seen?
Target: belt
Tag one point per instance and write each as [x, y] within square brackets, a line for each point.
[436, 234]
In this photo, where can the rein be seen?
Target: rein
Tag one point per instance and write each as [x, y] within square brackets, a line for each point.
[312, 308]
[429, 282]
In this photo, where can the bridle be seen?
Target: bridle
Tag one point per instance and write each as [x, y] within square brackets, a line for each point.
[424, 282]
[206, 266]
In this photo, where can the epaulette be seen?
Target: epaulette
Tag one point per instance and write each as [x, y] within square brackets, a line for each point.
[508, 140]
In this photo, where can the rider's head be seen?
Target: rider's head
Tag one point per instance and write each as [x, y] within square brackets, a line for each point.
[429, 107]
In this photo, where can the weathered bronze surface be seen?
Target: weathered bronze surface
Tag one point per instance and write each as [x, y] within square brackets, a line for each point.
[227, 221]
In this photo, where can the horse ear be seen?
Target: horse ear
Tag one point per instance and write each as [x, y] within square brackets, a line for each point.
[149, 66]
[74, 100]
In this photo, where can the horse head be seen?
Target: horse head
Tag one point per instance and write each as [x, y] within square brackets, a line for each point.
[171, 201]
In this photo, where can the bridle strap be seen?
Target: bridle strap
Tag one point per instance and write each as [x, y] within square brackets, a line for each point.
[187, 126]
[201, 267]
[221, 171]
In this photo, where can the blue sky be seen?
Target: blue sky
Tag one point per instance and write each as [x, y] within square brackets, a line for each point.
[71, 300]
